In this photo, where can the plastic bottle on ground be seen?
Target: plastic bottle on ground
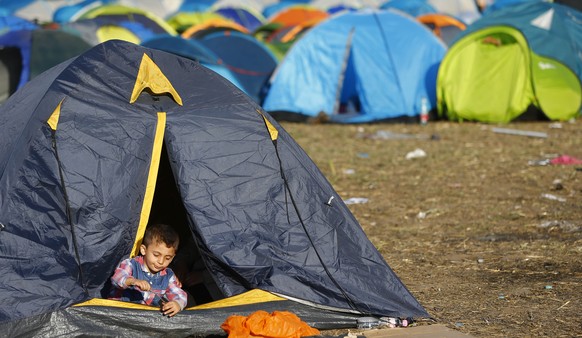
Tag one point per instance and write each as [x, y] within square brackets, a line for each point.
[424, 111]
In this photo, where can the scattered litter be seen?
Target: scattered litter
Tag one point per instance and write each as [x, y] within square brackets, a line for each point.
[389, 135]
[459, 324]
[554, 197]
[557, 184]
[356, 200]
[548, 287]
[393, 322]
[383, 322]
[329, 201]
[563, 225]
[480, 261]
[368, 323]
[421, 215]
[565, 159]
[363, 155]
[349, 171]
[542, 162]
[555, 159]
[416, 153]
[566, 303]
[501, 296]
[520, 132]
[556, 125]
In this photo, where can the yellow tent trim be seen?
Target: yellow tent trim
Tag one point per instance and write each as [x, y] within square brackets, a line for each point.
[53, 121]
[117, 303]
[249, 297]
[272, 130]
[150, 76]
[151, 184]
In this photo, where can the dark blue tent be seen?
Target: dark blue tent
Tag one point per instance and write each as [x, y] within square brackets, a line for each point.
[87, 148]
[244, 16]
[11, 23]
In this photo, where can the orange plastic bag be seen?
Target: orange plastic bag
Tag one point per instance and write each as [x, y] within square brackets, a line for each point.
[279, 324]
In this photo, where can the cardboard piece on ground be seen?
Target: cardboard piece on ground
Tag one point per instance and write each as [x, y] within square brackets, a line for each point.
[424, 331]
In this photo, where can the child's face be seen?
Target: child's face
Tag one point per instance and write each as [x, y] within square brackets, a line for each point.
[157, 256]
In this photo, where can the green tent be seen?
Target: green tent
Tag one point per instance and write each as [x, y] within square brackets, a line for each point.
[521, 57]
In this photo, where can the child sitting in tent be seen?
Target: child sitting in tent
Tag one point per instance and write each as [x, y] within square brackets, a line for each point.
[146, 279]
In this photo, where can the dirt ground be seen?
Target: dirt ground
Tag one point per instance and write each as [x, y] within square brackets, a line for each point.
[484, 236]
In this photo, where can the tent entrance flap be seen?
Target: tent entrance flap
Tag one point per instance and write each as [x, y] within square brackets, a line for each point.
[167, 207]
[342, 76]
[10, 70]
[493, 81]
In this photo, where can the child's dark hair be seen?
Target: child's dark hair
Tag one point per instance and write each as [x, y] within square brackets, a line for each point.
[159, 232]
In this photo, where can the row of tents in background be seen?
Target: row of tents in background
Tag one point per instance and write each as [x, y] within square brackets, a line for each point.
[349, 61]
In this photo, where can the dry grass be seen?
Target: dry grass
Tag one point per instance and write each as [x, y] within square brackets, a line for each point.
[463, 226]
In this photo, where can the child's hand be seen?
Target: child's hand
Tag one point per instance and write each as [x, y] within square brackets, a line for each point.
[140, 283]
[171, 308]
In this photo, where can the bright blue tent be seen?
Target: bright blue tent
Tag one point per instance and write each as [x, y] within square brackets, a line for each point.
[11, 6]
[70, 12]
[382, 63]
[11, 23]
[196, 5]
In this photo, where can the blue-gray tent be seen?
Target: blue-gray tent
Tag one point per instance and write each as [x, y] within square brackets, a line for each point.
[358, 67]
[251, 62]
[194, 50]
[97, 147]
[29, 51]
